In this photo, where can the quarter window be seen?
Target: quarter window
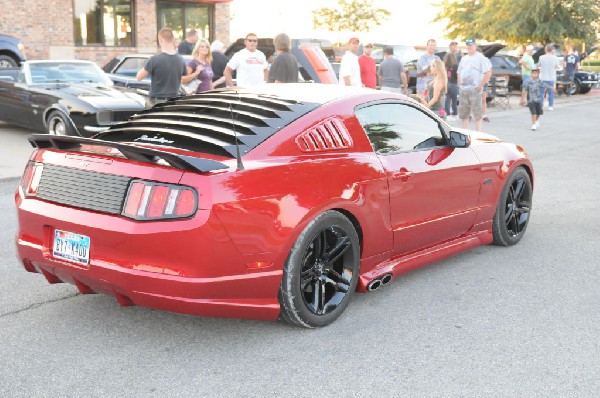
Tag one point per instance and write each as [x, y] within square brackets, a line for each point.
[103, 22]
[399, 127]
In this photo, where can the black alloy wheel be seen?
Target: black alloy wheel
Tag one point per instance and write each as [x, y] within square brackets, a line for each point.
[321, 272]
[513, 210]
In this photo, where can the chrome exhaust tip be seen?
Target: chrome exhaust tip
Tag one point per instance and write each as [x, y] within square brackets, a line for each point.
[374, 285]
[387, 278]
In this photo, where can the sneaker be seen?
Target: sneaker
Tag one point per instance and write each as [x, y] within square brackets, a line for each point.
[485, 118]
[537, 123]
[550, 108]
[534, 127]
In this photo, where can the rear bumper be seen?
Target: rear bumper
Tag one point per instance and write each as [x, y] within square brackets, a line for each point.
[189, 267]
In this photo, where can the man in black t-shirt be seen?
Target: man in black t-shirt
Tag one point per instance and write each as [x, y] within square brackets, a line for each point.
[187, 46]
[165, 70]
[285, 66]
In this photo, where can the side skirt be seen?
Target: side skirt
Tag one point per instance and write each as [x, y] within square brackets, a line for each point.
[406, 263]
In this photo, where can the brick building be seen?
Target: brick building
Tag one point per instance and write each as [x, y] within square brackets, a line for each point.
[100, 29]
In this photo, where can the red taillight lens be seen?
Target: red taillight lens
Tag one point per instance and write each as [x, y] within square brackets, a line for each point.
[31, 178]
[155, 201]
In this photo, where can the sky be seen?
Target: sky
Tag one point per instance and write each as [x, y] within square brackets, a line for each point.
[410, 22]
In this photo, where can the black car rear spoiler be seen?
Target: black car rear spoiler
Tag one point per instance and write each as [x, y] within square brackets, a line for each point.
[132, 152]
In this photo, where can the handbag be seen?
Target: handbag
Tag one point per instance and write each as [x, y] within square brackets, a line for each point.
[191, 86]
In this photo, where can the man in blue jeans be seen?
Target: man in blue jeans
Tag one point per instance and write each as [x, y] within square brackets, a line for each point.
[547, 64]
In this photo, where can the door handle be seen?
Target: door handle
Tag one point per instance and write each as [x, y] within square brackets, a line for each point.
[402, 175]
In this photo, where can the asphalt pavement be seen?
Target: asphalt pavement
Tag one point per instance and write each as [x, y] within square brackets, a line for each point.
[522, 321]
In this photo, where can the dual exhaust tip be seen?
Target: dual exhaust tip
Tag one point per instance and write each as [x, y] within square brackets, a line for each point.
[379, 282]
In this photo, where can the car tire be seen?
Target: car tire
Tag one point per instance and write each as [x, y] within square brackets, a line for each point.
[513, 209]
[321, 272]
[59, 124]
[577, 88]
[7, 61]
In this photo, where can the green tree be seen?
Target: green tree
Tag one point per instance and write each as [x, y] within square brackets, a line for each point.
[351, 15]
[518, 21]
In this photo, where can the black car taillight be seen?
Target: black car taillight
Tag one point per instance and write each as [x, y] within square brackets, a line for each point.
[30, 180]
[156, 201]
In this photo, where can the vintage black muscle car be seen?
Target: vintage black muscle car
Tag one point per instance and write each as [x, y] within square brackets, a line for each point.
[63, 98]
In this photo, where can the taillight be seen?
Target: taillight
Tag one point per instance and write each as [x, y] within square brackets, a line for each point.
[30, 180]
[155, 201]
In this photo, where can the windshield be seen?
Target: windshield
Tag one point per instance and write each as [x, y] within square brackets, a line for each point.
[67, 72]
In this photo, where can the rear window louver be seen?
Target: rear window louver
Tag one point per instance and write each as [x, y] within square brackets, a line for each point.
[328, 135]
[206, 122]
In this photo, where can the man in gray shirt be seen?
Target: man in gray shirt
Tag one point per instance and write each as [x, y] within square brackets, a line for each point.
[391, 73]
[547, 65]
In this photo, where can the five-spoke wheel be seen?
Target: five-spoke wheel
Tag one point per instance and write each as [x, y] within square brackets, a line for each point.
[513, 210]
[321, 272]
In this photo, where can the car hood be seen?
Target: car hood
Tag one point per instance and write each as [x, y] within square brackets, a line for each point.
[489, 50]
[99, 96]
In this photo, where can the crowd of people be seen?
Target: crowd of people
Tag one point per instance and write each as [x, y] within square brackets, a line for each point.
[453, 87]
[209, 67]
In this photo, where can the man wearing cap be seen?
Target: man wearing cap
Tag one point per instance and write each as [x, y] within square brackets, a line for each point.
[349, 66]
[368, 69]
[527, 64]
[474, 71]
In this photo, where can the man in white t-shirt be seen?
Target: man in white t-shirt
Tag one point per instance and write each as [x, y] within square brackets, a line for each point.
[250, 64]
[349, 67]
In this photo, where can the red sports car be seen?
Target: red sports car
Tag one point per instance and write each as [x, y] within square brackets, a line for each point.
[276, 201]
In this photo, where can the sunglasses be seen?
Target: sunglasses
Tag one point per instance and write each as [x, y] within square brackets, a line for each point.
[252, 40]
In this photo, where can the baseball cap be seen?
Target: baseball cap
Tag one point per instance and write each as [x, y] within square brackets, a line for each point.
[368, 45]
[470, 41]
[354, 40]
[529, 47]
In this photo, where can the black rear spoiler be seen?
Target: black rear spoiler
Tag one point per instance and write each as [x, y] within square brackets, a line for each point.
[132, 152]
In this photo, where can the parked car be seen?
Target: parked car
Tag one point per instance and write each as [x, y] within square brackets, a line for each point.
[63, 98]
[280, 200]
[12, 52]
[507, 65]
[122, 70]
[583, 80]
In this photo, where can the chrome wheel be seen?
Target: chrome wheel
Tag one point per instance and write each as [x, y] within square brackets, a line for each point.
[58, 124]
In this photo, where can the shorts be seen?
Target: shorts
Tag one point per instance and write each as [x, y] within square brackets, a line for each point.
[469, 102]
[535, 108]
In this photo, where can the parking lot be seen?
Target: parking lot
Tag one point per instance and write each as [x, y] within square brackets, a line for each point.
[520, 321]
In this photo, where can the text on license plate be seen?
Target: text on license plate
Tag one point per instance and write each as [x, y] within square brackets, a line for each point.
[71, 246]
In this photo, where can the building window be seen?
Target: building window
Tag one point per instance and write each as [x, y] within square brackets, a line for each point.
[183, 16]
[103, 22]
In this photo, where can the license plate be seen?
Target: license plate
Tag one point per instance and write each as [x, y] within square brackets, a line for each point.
[72, 247]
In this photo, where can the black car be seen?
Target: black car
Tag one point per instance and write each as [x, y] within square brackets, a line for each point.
[64, 98]
[12, 52]
[583, 81]
[507, 65]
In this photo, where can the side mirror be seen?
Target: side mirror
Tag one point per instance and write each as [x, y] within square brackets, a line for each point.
[459, 140]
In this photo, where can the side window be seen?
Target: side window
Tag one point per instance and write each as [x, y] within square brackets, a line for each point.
[399, 127]
[131, 66]
[497, 62]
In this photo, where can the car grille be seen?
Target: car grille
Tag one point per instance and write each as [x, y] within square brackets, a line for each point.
[83, 189]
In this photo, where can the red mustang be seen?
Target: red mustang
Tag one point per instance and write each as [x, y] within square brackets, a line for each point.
[282, 200]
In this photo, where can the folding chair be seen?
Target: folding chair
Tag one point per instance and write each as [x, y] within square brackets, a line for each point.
[501, 91]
